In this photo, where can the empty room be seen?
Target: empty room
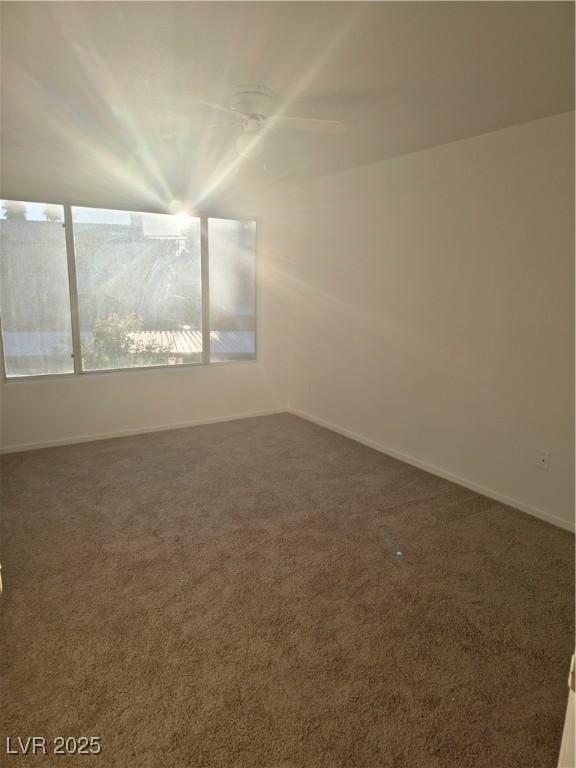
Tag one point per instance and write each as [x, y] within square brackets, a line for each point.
[287, 384]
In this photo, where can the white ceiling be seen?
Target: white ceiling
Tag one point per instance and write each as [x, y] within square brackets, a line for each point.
[84, 84]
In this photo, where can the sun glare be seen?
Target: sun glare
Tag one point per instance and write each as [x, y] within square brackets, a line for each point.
[183, 219]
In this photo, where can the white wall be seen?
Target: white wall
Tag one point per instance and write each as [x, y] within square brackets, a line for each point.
[433, 309]
[66, 409]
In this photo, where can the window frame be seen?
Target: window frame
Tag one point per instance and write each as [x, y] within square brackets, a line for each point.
[68, 225]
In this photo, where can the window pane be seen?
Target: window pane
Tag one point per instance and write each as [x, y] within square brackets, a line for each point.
[232, 247]
[34, 294]
[139, 288]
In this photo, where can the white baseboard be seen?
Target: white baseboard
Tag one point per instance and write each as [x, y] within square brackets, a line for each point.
[434, 470]
[129, 432]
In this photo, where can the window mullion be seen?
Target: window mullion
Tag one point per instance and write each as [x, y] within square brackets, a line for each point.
[73, 288]
[205, 272]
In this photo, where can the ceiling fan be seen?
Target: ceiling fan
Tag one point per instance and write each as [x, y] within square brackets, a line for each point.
[251, 108]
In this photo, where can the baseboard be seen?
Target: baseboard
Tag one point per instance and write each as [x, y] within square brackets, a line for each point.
[434, 470]
[138, 431]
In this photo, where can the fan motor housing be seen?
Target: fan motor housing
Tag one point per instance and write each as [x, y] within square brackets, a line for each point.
[252, 100]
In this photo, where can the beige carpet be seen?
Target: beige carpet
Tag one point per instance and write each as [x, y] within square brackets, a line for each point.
[267, 593]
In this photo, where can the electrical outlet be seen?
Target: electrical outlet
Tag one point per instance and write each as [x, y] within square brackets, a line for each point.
[544, 460]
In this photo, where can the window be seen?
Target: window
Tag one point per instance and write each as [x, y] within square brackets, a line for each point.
[139, 288]
[90, 289]
[34, 295]
[232, 289]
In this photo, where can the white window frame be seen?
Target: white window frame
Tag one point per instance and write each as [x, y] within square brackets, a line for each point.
[205, 292]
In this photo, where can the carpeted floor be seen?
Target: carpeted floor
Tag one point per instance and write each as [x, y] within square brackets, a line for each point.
[266, 593]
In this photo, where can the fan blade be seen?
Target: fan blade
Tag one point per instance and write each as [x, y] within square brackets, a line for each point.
[310, 125]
